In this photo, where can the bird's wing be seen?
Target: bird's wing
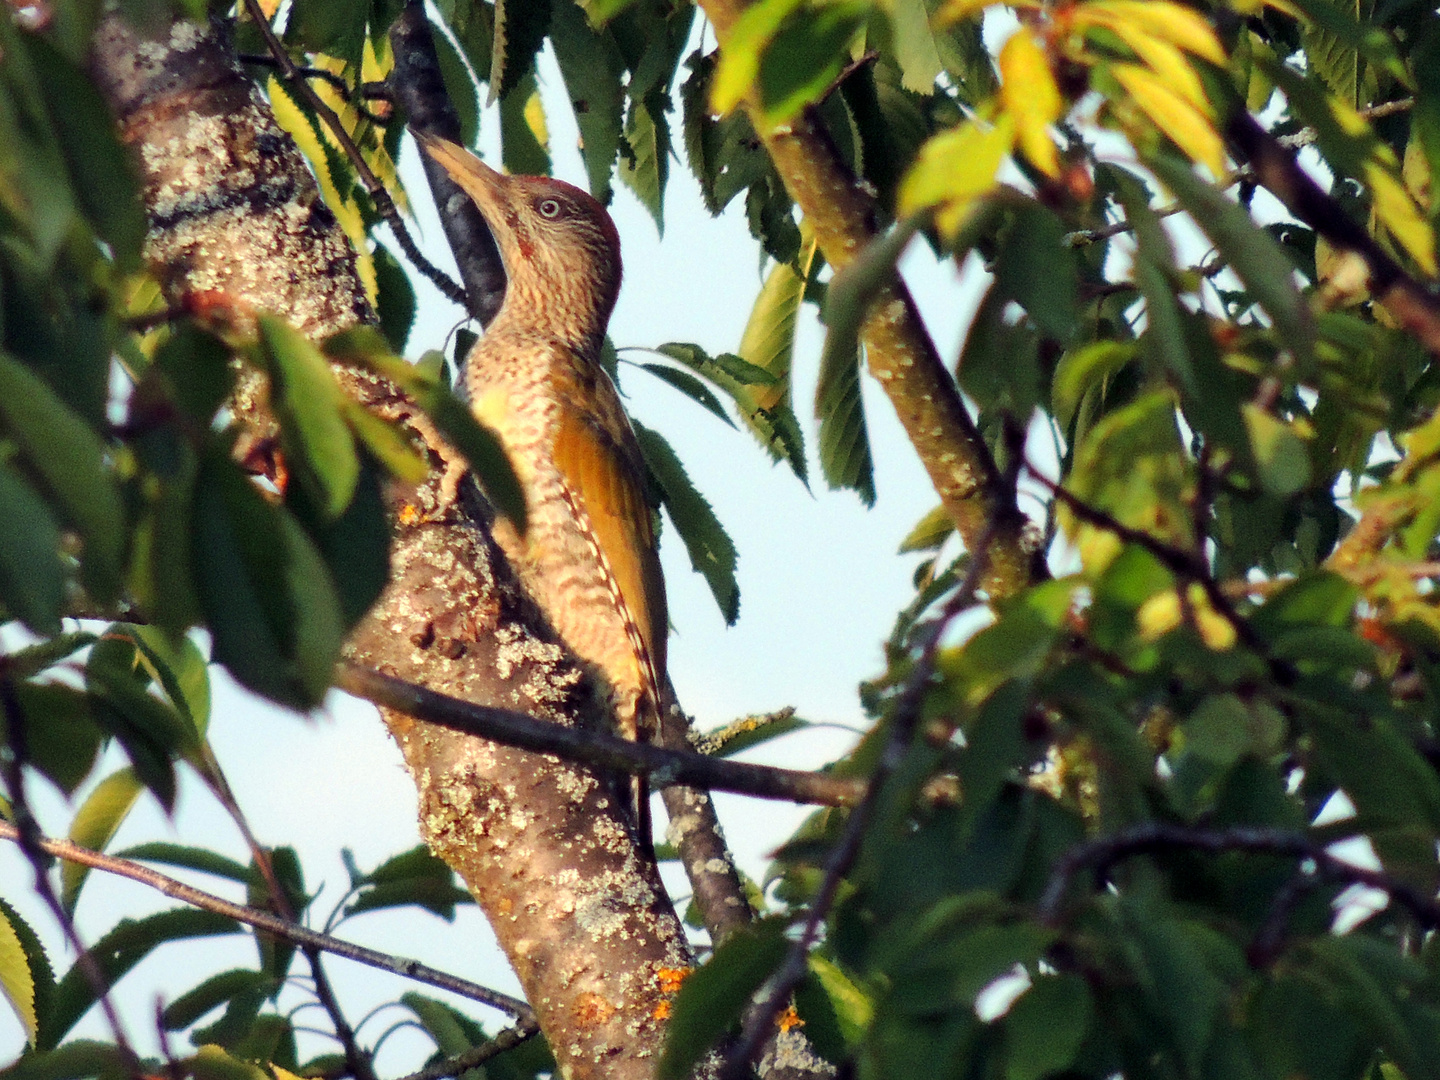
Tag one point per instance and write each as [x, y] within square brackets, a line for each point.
[596, 452]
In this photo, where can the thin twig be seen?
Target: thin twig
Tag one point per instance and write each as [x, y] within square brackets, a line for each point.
[360, 1063]
[26, 833]
[663, 765]
[378, 195]
[508, 1039]
[273, 924]
[1099, 855]
[760, 1022]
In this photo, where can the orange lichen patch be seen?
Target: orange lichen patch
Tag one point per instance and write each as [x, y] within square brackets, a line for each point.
[671, 978]
[409, 514]
[789, 1019]
[592, 1010]
[661, 1011]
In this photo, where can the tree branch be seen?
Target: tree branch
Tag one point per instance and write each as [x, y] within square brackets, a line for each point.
[594, 747]
[419, 89]
[1153, 836]
[284, 929]
[900, 353]
[477, 1055]
[1413, 305]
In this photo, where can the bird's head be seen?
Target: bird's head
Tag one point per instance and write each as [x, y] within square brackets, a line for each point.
[560, 248]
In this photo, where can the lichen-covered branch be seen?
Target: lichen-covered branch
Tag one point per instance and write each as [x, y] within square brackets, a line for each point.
[540, 843]
[900, 353]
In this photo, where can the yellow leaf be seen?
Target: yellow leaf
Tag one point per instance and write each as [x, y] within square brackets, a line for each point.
[1029, 94]
[954, 168]
[1168, 63]
[1178, 25]
[16, 981]
[1172, 114]
[534, 114]
[289, 116]
[1397, 210]
[742, 49]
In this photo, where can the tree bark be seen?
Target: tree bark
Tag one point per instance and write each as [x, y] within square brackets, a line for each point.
[547, 853]
[899, 350]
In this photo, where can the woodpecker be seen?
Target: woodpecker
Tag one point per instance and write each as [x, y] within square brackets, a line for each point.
[589, 555]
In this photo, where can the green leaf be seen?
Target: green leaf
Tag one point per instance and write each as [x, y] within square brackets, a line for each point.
[1281, 456]
[268, 597]
[645, 157]
[191, 858]
[17, 981]
[854, 1010]
[213, 1063]
[67, 456]
[929, 532]
[73, 1061]
[481, 447]
[767, 346]
[460, 88]
[691, 387]
[1168, 959]
[844, 441]
[519, 31]
[118, 952]
[103, 177]
[215, 991]
[319, 447]
[32, 577]
[356, 545]
[179, 667]
[416, 877]
[592, 70]
[1257, 259]
[915, 48]
[395, 302]
[1045, 1027]
[1082, 369]
[712, 553]
[524, 139]
[713, 996]
[99, 816]
[1037, 269]
[61, 739]
[452, 1030]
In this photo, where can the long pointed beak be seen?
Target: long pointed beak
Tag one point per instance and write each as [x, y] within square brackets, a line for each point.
[488, 188]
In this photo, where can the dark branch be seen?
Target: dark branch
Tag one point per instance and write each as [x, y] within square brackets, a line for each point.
[663, 765]
[419, 89]
[1417, 309]
[272, 924]
[1100, 855]
[478, 1055]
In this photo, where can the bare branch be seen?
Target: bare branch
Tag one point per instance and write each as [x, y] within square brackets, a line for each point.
[273, 924]
[662, 764]
[1152, 836]
[478, 1055]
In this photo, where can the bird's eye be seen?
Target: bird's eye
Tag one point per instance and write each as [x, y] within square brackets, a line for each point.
[549, 208]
